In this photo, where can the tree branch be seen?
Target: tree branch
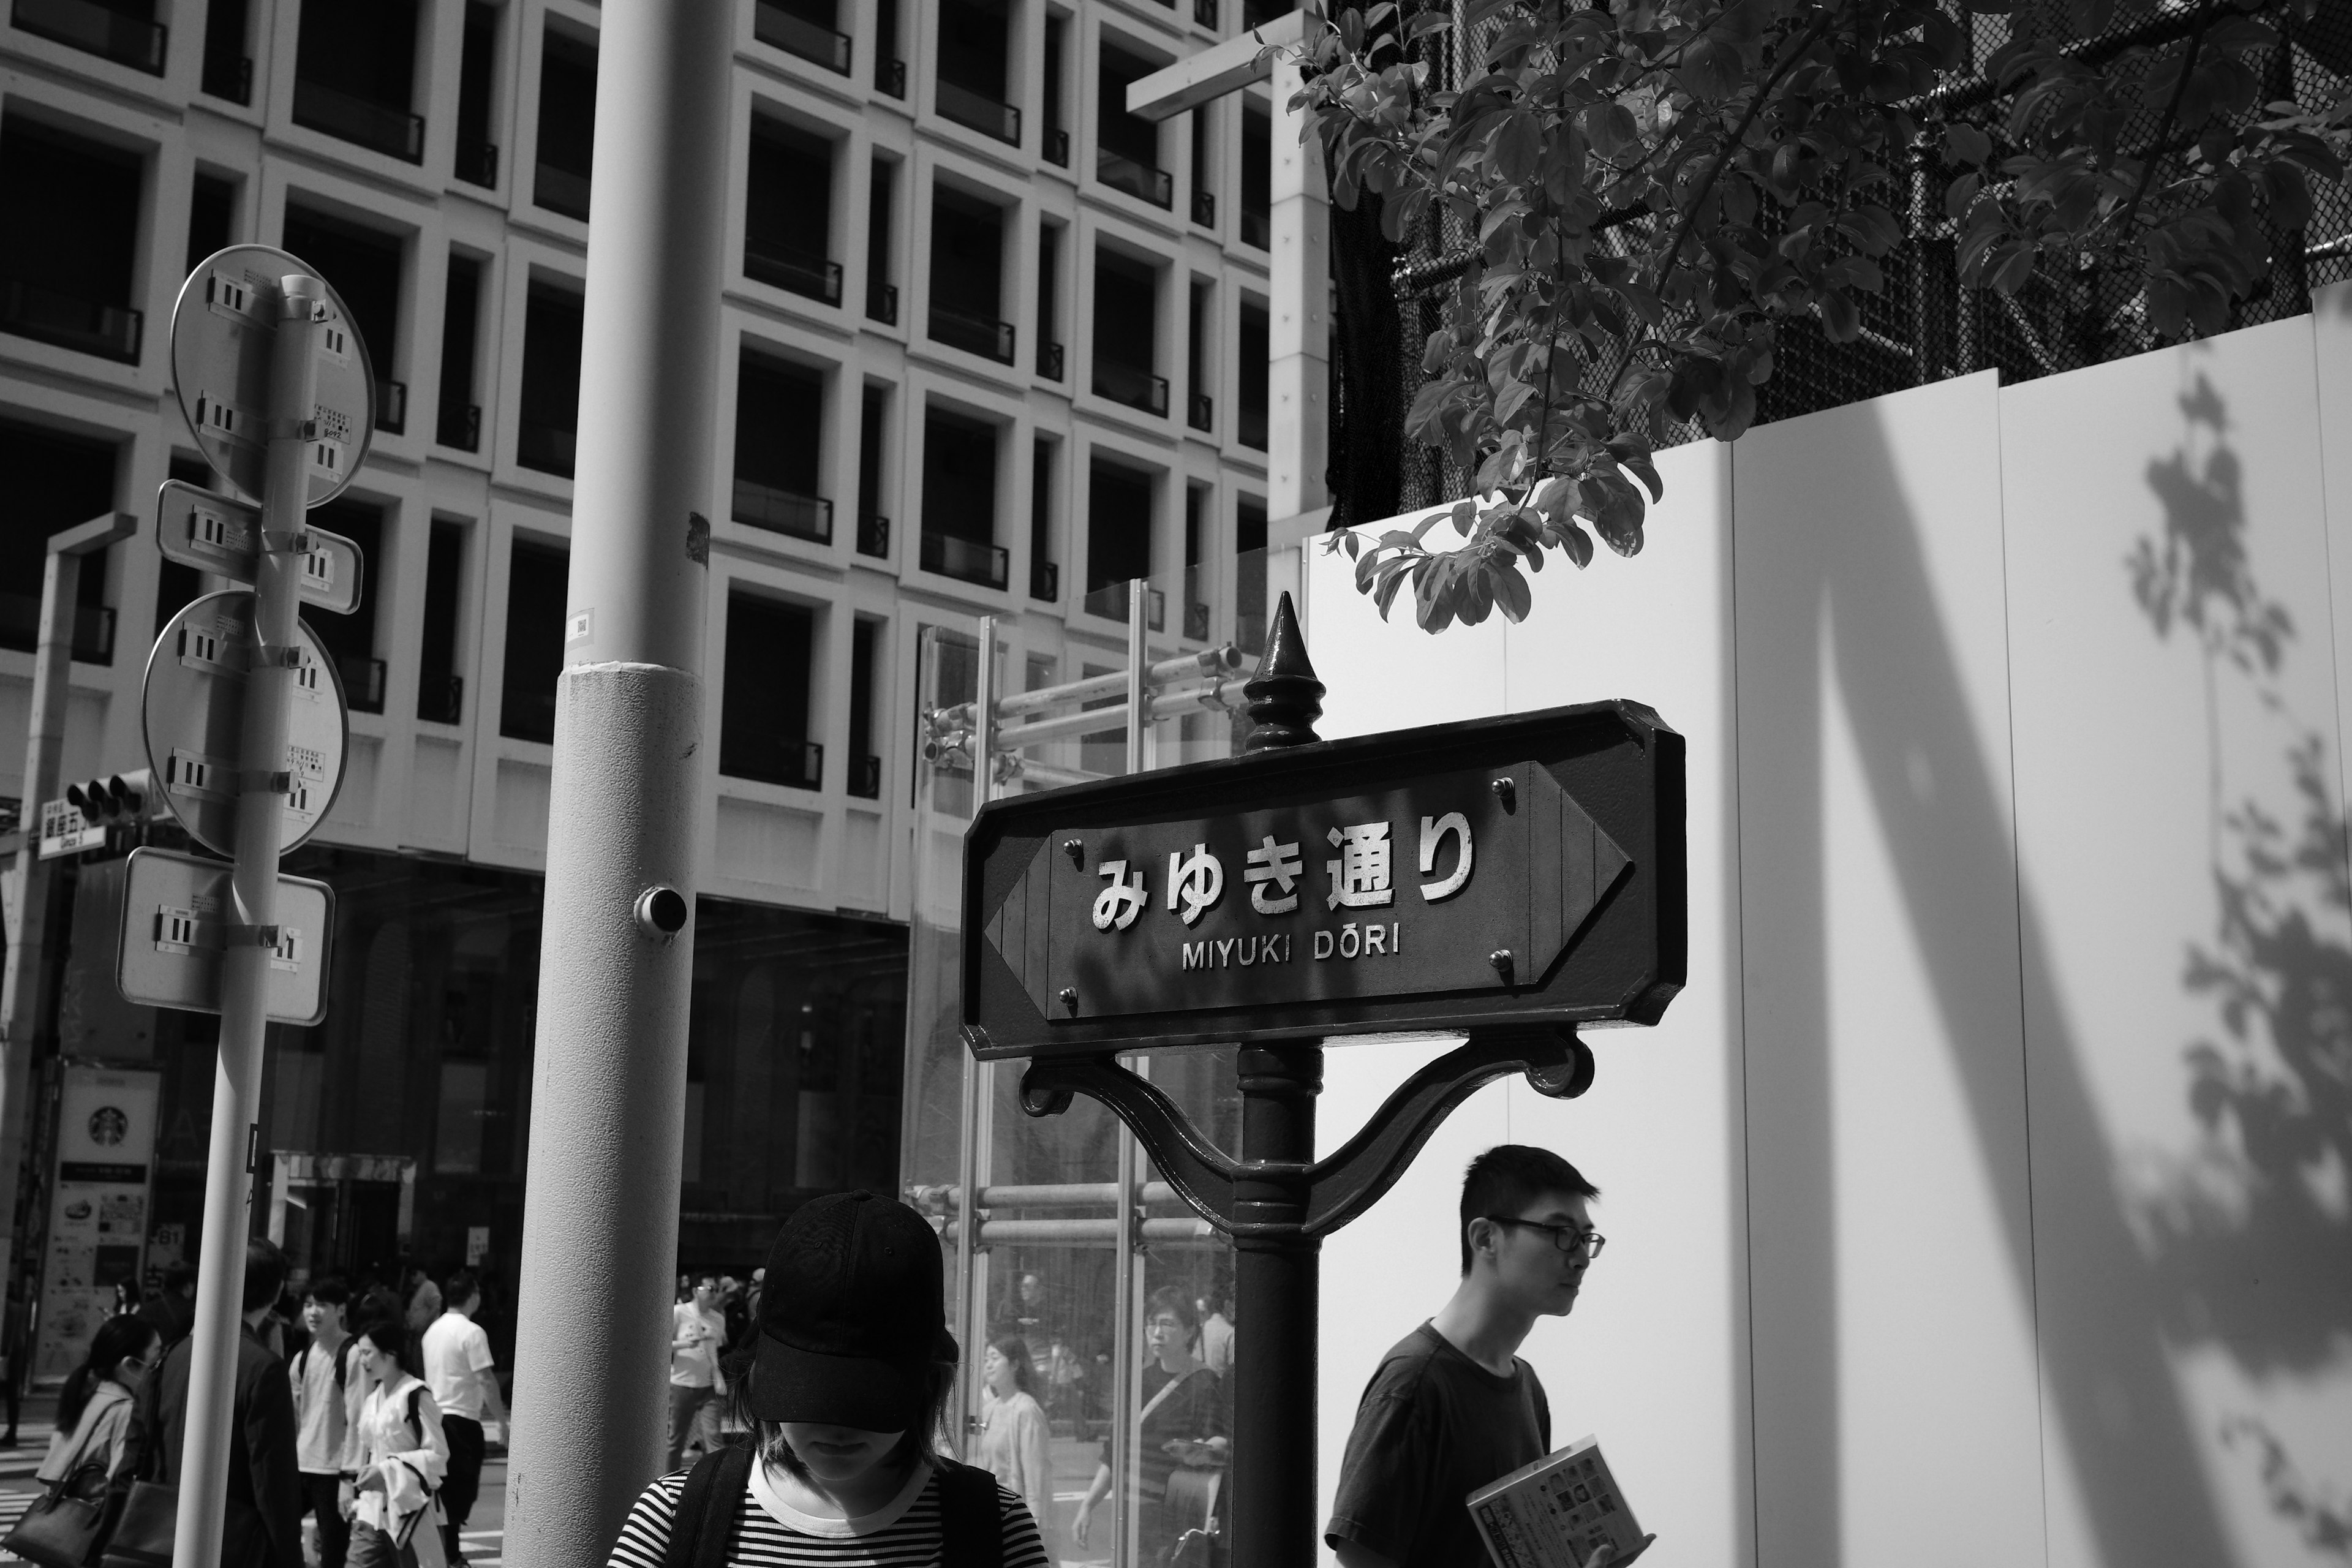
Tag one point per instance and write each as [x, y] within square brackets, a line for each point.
[2164, 128]
[1799, 50]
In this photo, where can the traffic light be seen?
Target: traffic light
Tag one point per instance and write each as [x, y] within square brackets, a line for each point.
[118, 798]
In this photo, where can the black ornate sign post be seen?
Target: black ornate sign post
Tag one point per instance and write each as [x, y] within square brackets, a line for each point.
[1509, 877]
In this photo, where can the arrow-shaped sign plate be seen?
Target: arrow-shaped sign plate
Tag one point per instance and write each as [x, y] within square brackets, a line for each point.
[1522, 869]
[216, 533]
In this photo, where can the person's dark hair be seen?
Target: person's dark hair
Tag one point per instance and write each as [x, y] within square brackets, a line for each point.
[460, 1287]
[1015, 1350]
[387, 1334]
[116, 1339]
[1507, 1178]
[1177, 1300]
[329, 1291]
[178, 1278]
[265, 1274]
[922, 1438]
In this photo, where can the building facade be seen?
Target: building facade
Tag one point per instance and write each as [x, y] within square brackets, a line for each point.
[992, 348]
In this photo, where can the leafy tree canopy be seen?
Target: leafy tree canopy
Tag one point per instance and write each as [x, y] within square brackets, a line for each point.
[1653, 186]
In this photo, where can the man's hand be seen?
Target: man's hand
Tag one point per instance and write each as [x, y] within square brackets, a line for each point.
[1351, 1555]
[1607, 1557]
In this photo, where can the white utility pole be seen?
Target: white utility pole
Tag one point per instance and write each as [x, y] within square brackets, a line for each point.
[628, 798]
[1298, 281]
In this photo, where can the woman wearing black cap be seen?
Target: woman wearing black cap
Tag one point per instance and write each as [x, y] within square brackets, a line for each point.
[848, 1391]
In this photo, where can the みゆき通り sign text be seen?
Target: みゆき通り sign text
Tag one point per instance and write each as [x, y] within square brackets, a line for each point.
[1371, 882]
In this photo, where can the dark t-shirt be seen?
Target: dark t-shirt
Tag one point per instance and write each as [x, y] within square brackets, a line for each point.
[1432, 1427]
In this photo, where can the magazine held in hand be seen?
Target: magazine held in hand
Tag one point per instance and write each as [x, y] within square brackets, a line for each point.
[1557, 1512]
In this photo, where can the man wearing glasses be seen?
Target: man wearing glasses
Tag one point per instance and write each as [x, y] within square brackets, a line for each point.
[1452, 1406]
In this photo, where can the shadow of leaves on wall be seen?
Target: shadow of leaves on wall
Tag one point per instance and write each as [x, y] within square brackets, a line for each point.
[2250, 1232]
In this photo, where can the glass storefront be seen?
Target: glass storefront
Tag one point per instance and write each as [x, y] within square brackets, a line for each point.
[395, 1134]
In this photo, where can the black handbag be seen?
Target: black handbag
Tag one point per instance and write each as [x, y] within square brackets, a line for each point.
[142, 1536]
[63, 1527]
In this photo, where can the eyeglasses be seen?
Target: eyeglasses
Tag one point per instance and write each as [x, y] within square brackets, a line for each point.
[1567, 1237]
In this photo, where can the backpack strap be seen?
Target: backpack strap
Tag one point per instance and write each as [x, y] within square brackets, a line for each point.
[415, 1423]
[342, 1362]
[701, 1531]
[971, 1523]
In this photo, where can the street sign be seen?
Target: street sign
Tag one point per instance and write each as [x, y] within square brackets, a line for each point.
[1526, 869]
[222, 328]
[194, 714]
[217, 533]
[179, 920]
[65, 831]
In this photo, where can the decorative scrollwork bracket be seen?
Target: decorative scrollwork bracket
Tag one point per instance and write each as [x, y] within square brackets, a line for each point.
[1326, 1194]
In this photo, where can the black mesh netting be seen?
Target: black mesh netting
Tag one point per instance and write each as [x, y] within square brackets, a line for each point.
[1922, 327]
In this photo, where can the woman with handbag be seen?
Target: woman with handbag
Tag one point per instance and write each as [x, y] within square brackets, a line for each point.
[1181, 1429]
[398, 1458]
[64, 1526]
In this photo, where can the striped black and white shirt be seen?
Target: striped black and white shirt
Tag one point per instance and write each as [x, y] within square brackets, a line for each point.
[770, 1533]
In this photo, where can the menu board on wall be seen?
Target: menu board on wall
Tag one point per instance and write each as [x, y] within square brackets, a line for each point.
[98, 1207]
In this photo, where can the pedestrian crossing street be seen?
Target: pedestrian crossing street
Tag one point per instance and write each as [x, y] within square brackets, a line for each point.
[482, 1548]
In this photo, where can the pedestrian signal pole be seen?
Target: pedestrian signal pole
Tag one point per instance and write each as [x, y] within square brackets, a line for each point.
[250, 938]
[27, 923]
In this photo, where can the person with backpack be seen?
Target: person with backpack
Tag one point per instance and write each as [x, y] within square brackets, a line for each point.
[324, 1399]
[398, 1457]
[851, 1378]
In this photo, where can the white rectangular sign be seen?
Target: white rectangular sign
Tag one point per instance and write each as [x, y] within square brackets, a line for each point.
[177, 921]
[64, 830]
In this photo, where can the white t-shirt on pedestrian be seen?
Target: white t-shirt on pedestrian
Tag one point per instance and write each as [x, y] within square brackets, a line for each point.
[457, 1358]
[696, 1365]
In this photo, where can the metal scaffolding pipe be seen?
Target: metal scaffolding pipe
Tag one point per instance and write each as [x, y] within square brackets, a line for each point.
[626, 797]
[1085, 1232]
[1019, 767]
[1214, 693]
[1045, 1195]
[1208, 661]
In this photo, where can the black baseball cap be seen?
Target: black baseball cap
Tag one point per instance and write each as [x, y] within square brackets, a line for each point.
[853, 1317]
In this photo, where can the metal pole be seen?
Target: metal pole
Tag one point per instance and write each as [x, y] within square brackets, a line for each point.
[21, 987]
[1276, 1284]
[1126, 1295]
[1278, 1295]
[1299, 279]
[974, 1170]
[627, 797]
[245, 966]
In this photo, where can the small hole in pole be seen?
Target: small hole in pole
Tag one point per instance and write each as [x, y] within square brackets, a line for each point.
[661, 911]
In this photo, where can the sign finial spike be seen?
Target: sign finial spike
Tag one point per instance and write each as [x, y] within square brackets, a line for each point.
[1285, 697]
